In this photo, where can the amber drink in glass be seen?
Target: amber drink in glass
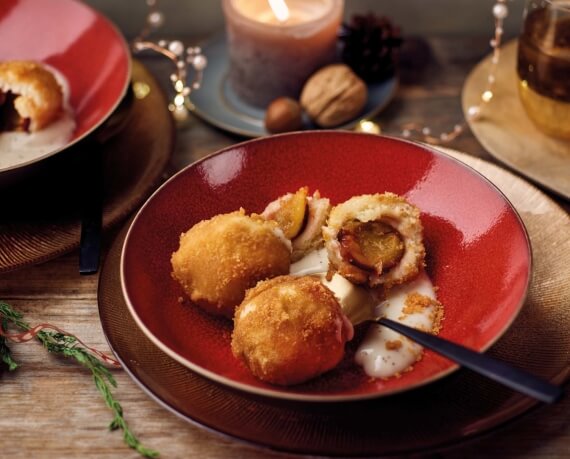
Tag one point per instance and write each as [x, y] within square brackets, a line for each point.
[543, 65]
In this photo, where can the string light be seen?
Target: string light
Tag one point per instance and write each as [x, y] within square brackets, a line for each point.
[474, 112]
[181, 56]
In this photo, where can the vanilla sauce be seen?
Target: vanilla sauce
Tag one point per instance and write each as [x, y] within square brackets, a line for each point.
[382, 353]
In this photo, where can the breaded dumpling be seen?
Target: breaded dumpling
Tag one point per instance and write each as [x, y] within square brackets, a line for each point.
[32, 90]
[290, 329]
[220, 258]
[375, 239]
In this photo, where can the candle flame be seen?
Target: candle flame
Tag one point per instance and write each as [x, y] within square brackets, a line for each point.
[280, 9]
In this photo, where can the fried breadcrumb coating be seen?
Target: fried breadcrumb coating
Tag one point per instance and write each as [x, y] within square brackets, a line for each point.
[290, 329]
[220, 258]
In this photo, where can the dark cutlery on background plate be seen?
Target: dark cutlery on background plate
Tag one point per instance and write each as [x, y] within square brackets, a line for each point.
[91, 185]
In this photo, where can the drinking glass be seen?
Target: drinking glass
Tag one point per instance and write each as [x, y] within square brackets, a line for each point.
[543, 65]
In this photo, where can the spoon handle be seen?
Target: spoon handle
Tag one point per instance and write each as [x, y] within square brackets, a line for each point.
[494, 369]
[91, 208]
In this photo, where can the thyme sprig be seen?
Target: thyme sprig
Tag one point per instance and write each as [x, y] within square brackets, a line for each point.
[68, 346]
[5, 354]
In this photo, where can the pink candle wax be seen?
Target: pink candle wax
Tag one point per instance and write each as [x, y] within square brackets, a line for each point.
[274, 51]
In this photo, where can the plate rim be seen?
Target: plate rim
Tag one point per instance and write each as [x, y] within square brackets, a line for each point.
[502, 419]
[280, 394]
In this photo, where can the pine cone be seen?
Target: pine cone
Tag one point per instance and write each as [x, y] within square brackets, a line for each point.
[370, 47]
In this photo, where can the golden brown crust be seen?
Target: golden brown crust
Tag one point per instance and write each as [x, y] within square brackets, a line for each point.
[40, 97]
[220, 258]
[290, 329]
[416, 303]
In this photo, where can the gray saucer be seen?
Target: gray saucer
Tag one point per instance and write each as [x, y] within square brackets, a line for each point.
[216, 102]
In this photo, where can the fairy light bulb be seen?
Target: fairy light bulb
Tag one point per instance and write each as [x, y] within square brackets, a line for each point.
[182, 57]
[487, 96]
[500, 11]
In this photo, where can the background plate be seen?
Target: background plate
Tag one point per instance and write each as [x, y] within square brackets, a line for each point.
[456, 408]
[44, 223]
[84, 46]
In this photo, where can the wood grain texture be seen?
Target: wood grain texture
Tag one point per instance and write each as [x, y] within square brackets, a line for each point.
[50, 408]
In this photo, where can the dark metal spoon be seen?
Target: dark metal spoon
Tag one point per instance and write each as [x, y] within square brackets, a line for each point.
[361, 308]
[485, 365]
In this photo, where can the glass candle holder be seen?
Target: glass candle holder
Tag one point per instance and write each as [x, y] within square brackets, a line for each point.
[543, 65]
[275, 46]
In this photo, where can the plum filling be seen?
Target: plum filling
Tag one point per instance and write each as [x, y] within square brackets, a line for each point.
[290, 213]
[371, 246]
[10, 120]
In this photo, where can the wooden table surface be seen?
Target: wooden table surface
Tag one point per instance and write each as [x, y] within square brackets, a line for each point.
[49, 407]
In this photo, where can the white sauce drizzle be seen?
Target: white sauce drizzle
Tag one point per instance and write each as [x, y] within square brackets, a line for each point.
[373, 354]
[21, 147]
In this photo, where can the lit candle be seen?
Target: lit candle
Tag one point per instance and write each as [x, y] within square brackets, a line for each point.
[276, 45]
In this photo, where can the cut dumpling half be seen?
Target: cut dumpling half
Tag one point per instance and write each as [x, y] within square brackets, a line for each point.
[375, 240]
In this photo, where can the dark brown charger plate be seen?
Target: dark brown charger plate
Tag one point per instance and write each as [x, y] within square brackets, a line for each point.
[39, 217]
[450, 411]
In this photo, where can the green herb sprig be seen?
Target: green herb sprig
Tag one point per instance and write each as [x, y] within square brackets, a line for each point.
[68, 346]
[5, 354]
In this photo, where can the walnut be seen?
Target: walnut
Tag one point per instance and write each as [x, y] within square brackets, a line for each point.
[333, 95]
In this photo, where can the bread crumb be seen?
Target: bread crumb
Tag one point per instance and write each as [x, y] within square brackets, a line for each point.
[437, 319]
[416, 302]
[393, 345]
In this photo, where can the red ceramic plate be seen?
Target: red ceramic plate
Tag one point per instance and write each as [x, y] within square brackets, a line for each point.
[78, 42]
[478, 250]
